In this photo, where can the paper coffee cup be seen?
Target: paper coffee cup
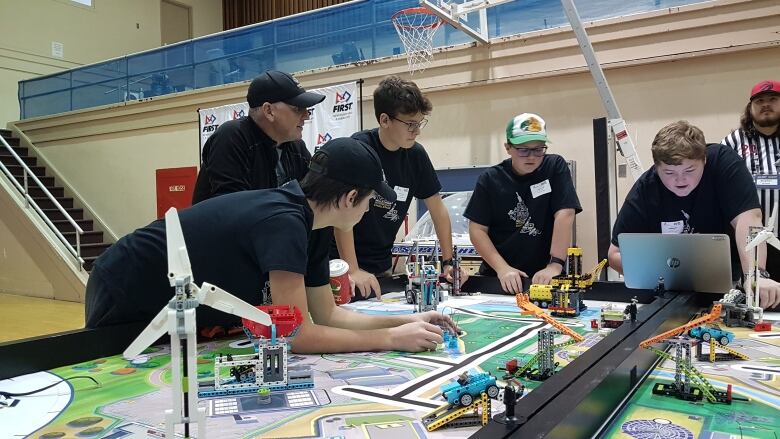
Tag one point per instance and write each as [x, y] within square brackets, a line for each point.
[339, 281]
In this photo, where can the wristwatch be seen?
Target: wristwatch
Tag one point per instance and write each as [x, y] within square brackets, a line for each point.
[558, 261]
[762, 273]
[446, 262]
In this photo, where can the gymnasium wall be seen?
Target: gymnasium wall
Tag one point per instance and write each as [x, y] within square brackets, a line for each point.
[696, 62]
[108, 29]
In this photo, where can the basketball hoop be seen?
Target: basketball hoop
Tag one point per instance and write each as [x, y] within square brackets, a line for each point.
[416, 28]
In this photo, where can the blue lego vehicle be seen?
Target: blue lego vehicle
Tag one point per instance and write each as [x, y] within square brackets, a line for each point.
[709, 333]
[468, 388]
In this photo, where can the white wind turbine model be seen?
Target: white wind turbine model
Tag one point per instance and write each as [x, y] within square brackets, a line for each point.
[767, 235]
[178, 319]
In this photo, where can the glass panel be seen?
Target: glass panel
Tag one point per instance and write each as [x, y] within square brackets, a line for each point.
[233, 43]
[335, 48]
[48, 84]
[43, 105]
[111, 70]
[161, 59]
[160, 83]
[343, 34]
[93, 95]
[226, 70]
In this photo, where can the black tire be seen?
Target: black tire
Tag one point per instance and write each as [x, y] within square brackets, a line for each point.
[466, 400]
[706, 336]
[492, 391]
[724, 340]
[411, 297]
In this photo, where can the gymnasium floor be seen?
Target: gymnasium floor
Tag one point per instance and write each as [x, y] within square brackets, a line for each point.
[23, 317]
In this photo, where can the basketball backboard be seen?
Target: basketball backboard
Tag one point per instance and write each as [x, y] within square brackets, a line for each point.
[469, 16]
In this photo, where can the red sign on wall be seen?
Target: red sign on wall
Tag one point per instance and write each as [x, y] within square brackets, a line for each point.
[174, 188]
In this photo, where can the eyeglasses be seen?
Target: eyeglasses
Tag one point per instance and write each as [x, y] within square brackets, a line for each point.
[528, 152]
[413, 126]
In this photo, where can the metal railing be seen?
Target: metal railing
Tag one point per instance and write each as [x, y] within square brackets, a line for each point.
[29, 201]
[355, 31]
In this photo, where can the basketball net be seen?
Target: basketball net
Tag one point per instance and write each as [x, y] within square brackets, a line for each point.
[416, 28]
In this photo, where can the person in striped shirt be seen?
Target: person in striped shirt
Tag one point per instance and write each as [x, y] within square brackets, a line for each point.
[757, 141]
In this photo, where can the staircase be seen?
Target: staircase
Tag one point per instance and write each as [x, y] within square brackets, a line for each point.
[92, 241]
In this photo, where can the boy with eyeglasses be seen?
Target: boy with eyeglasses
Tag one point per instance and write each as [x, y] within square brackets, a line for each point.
[522, 210]
[400, 109]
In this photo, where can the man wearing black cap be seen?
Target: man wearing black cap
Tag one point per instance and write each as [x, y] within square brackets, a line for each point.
[757, 141]
[239, 240]
[264, 149]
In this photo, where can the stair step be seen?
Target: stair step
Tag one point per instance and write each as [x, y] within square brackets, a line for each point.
[57, 192]
[5, 133]
[93, 237]
[11, 160]
[13, 141]
[64, 226]
[18, 171]
[55, 214]
[93, 250]
[46, 203]
[19, 150]
[89, 262]
[47, 181]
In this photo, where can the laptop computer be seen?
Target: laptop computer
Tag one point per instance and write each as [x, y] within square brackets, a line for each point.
[687, 262]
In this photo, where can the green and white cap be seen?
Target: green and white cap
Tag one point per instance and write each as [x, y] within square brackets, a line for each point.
[524, 128]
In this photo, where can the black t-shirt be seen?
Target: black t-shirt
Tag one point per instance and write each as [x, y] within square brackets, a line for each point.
[518, 210]
[726, 190]
[233, 241]
[239, 156]
[411, 174]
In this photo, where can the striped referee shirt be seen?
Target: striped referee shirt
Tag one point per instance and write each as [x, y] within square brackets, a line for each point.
[761, 154]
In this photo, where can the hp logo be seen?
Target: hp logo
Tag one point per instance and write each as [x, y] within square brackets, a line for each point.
[673, 262]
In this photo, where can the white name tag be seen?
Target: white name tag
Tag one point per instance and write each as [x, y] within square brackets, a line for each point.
[401, 193]
[672, 227]
[768, 183]
[541, 188]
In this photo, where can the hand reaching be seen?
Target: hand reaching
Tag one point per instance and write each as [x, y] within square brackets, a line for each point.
[512, 280]
[366, 283]
[448, 274]
[545, 275]
[768, 293]
[416, 336]
[438, 319]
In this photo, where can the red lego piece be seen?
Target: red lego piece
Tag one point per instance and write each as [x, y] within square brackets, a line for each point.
[285, 317]
[762, 326]
[212, 331]
[511, 366]
[594, 324]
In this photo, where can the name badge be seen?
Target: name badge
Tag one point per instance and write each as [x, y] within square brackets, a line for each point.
[541, 188]
[672, 227]
[401, 193]
[767, 181]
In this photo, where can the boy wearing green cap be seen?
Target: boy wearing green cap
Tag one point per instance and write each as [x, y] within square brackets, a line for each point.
[522, 210]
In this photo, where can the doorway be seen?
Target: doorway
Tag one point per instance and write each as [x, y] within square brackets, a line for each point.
[175, 22]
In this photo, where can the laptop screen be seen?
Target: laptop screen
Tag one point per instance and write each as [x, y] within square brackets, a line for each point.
[687, 262]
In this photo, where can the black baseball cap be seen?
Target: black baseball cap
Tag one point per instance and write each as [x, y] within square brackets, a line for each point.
[275, 86]
[353, 162]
